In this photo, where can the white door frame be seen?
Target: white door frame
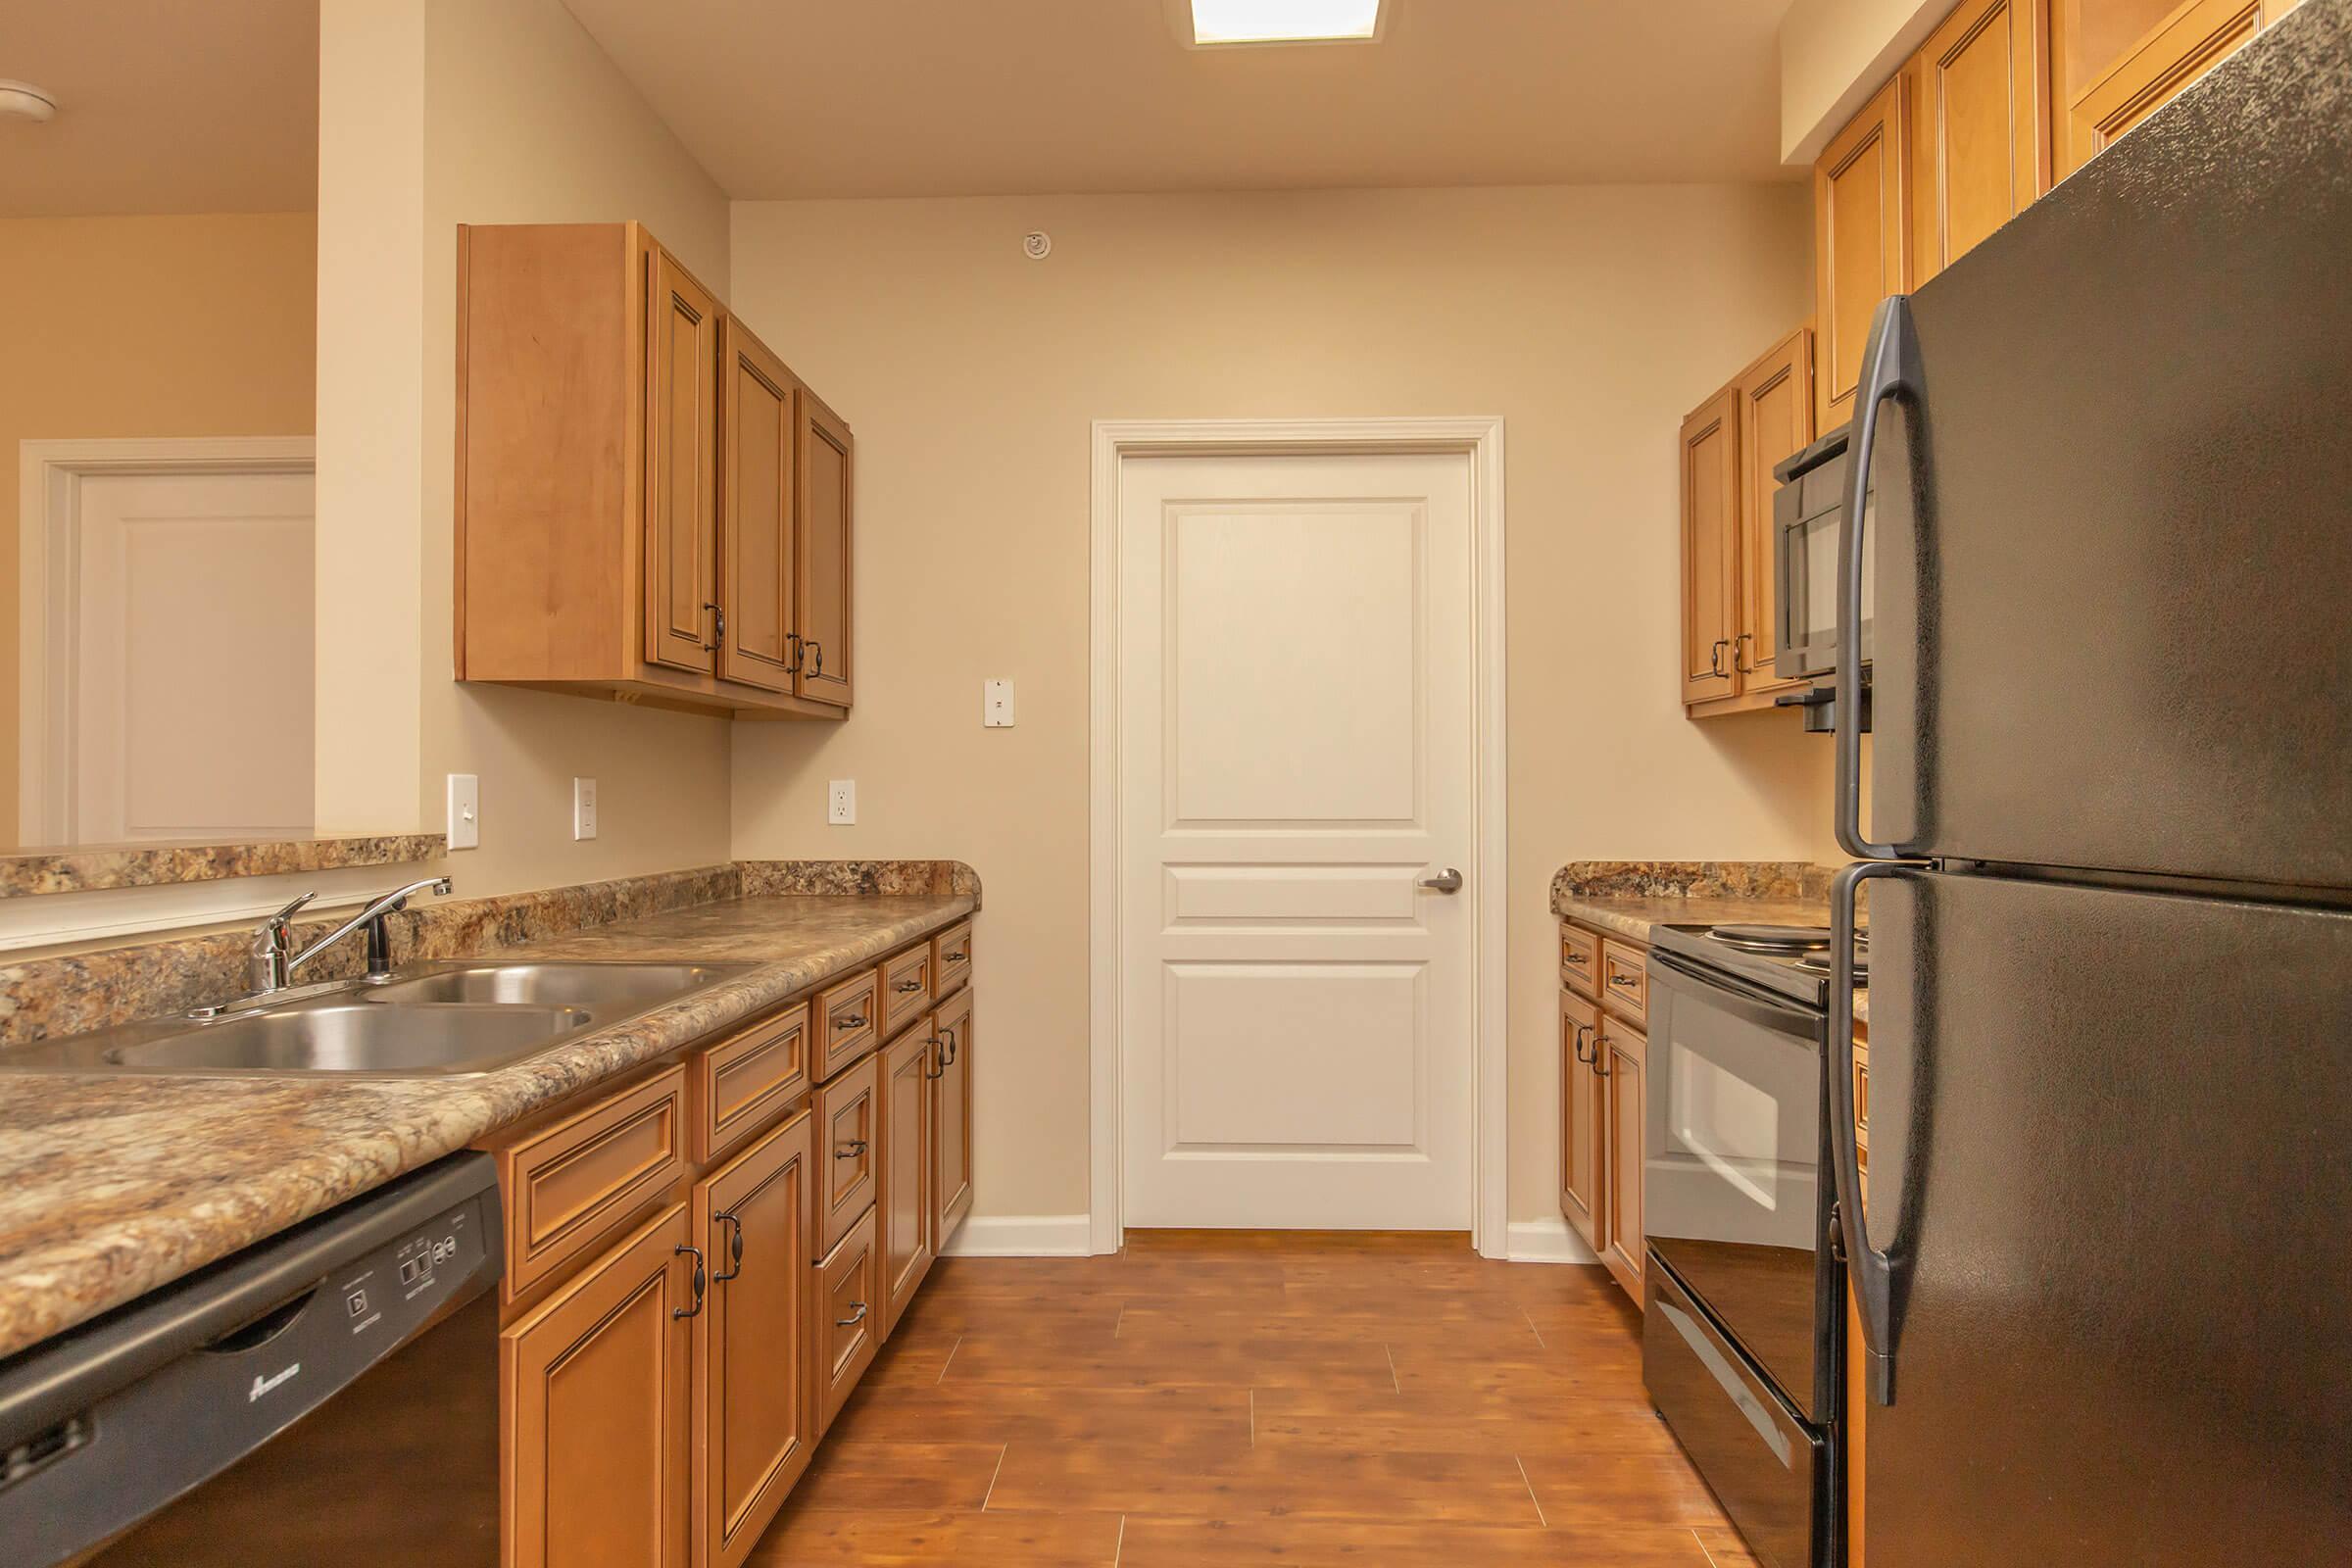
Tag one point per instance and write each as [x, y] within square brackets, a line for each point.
[48, 574]
[1481, 439]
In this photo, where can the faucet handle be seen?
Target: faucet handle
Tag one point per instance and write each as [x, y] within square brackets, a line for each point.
[278, 922]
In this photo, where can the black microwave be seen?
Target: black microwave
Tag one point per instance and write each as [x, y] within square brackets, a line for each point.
[1807, 510]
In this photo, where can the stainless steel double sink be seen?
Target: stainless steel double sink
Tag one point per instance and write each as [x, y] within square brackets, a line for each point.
[428, 1020]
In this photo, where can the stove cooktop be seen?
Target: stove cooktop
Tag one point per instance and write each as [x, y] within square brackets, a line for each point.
[1791, 961]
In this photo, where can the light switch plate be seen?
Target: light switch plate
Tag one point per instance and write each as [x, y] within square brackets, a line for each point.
[841, 802]
[583, 807]
[464, 810]
[995, 705]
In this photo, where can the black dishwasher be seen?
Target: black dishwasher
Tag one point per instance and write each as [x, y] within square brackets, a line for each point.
[327, 1396]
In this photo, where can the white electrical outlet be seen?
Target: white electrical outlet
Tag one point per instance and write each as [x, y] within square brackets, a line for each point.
[841, 802]
[995, 705]
[583, 807]
[464, 810]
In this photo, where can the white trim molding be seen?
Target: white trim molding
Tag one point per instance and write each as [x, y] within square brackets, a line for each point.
[1481, 439]
[1021, 1236]
[48, 568]
[1547, 1240]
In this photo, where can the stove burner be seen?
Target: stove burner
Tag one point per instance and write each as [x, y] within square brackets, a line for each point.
[1818, 963]
[1783, 939]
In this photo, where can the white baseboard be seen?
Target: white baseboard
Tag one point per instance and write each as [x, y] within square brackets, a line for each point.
[1022, 1236]
[1547, 1240]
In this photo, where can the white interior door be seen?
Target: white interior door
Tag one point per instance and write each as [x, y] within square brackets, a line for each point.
[194, 651]
[1295, 739]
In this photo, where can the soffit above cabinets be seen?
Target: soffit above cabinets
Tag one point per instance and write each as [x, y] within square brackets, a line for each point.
[1074, 96]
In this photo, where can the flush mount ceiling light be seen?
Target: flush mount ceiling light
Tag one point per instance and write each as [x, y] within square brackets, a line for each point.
[22, 100]
[1238, 22]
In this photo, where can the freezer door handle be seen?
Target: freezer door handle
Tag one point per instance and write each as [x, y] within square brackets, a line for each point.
[1889, 369]
[1871, 1272]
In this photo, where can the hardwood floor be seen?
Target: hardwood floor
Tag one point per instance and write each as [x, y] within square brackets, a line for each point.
[1218, 1399]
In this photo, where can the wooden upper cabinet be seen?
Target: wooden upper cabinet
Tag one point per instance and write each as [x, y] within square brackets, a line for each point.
[827, 455]
[2120, 60]
[1710, 547]
[1861, 241]
[1776, 421]
[758, 462]
[1980, 127]
[634, 483]
[755, 1427]
[594, 1402]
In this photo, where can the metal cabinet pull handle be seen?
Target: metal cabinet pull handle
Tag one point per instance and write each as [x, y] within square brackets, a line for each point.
[1577, 1039]
[1739, 652]
[816, 651]
[1715, 658]
[850, 1021]
[1623, 981]
[700, 1283]
[1601, 1065]
[791, 653]
[734, 1246]
[935, 1066]
[719, 632]
[1574, 958]
[955, 1050]
[851, 1150]
[1447, 881]
[904, 986]
[954, 958]
[853, 1319]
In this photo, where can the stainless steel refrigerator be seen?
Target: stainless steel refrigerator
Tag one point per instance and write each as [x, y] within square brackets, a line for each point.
[2105, 1267]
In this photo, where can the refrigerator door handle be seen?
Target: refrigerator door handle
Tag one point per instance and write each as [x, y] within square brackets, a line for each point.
[1871, 1272]
[1889, 369]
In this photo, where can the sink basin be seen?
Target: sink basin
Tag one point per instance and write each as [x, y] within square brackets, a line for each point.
[433, 1020]
[628, 986]
[355, 1036]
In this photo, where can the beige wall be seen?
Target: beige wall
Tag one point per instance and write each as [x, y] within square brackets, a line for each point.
[1835, 54]
[515, 117]
[142, 326]
[1591, 318]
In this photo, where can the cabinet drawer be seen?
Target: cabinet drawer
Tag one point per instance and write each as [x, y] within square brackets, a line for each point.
[1624, 981]
[847, 1019]
[906, 989]
[847, 1122]
[951, 958]
[571, 1185]
[848, 1318]
[737, 1085]
[1580, 960]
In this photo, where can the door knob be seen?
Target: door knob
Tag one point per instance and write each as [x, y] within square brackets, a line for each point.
[1450, 882]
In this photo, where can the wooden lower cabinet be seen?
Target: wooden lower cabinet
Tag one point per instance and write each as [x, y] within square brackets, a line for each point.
[847, 1113]
[754, 1426]
[594, 1401]
[951, 1116]
[1581, 1130]
[848, 1327]
[905, 1204]
[1624, 1055]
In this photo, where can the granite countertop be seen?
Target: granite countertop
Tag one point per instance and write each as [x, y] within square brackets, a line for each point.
[113, 1185]
[88, 867]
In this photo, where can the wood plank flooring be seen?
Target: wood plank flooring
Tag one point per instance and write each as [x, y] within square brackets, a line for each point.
[1220, 1399]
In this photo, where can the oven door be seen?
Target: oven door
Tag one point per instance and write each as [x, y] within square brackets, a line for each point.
[1736, 1187]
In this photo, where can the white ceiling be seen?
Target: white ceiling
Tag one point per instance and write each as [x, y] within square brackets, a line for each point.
[800, 98]
[164, 105]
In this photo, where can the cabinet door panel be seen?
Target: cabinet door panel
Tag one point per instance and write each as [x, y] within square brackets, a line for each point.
[1710, 485]
[1580, 1130]
[847, 1113]
[1623, 1052]
[2193, 39]
[848, 1325]
[758, 437]
[754, 1430]
[1776, 420]
[952, 1117]
[827, 490]
[1980, 139]
[595, 1405]
[681, 469]
[1861, 219]
[905, 1204]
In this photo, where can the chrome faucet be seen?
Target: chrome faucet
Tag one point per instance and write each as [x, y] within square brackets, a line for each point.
[270, 965]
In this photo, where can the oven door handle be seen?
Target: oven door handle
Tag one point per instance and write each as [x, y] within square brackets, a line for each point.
[1871, 1271]
[1732, 997]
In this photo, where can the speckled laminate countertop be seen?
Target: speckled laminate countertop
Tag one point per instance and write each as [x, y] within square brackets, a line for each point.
[113, 1185]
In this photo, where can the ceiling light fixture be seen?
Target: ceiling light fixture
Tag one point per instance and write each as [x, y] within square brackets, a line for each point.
[1232, 21]
[22, 100]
